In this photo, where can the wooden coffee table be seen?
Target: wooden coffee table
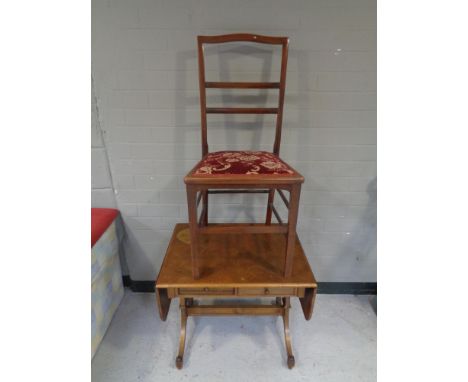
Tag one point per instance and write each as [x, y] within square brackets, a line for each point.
[234, 265]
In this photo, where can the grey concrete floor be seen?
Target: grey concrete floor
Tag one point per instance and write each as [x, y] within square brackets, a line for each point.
[337, 344]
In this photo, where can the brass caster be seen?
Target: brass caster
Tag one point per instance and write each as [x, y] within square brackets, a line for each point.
[291, 361]
[179, 362]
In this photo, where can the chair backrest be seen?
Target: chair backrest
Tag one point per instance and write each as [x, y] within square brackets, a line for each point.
[281, 85]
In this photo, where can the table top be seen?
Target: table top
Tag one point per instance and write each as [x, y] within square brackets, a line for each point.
[233, 260]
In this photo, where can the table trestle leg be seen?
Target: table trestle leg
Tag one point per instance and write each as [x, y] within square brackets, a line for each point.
[183, 332]
[287, 334]
[281, 308]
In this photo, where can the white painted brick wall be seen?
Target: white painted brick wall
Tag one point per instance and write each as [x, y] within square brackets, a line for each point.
[102, 192]
[146, 81]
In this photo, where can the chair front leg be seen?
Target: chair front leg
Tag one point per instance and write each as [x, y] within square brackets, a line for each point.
[193, 224]
[295, 193]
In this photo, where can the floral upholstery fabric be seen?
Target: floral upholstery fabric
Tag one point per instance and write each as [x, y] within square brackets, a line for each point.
[242, 162]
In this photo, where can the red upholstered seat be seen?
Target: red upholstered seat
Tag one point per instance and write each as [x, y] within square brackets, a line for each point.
[242, 162]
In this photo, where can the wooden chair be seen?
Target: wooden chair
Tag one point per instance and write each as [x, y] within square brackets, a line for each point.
[242, 171]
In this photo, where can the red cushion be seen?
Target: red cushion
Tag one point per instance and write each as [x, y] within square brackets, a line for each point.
[101, 219]
[242, 162]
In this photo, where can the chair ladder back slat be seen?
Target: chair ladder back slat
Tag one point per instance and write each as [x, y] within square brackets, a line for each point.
[242, 110]
[242, 85]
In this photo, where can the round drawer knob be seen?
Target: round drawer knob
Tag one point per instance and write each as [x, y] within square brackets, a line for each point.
[267, 291]
[205, 289]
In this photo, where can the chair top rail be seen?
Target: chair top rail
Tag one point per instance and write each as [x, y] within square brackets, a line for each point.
[243, 37]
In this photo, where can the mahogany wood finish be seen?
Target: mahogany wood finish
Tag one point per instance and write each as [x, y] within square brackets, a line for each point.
[244, 228]
[204, 184]
[163, 302]
[287, 336]
[281, 85]
[193, 223]
[238, 191]
[183, 331]
[243, 37]
[230, 261]
[242, 85]
[234, 265]
[242, 110]
[237, 260]
[200, 225]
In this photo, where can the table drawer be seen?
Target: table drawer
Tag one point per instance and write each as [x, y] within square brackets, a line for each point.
[206, 291]
[275, 291]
